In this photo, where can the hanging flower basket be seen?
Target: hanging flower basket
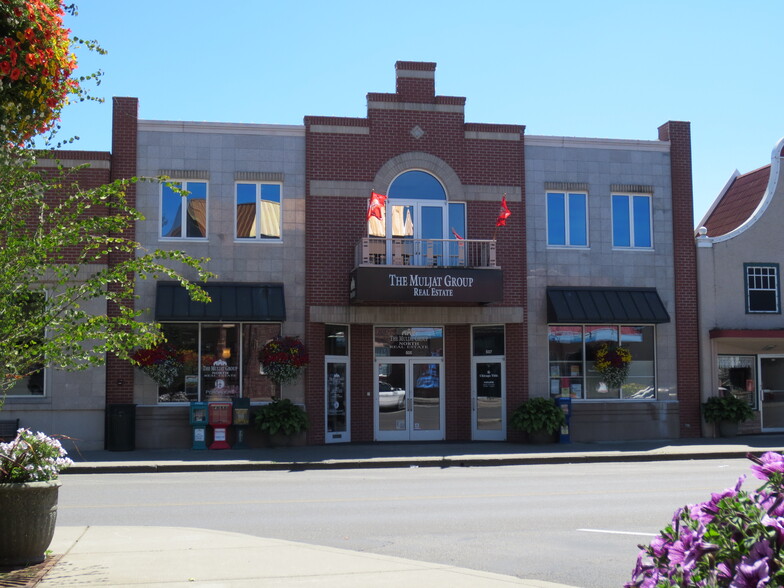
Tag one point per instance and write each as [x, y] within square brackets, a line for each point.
[283, 359]
[613, 364]
[162, 363]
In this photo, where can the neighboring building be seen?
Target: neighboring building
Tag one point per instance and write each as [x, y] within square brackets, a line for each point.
[424, 320]
[739, 259]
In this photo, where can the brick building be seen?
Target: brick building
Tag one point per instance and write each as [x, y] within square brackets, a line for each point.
[425, 321]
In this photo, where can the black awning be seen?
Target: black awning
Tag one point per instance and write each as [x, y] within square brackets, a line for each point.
[605, 305]
[231, 301]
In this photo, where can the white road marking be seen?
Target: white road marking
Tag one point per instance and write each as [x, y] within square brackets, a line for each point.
[618, 532]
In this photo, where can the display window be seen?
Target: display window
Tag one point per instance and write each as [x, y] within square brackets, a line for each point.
[218, 361]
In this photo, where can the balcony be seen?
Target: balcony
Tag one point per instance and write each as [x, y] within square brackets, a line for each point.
[468, 253]
[426, 271]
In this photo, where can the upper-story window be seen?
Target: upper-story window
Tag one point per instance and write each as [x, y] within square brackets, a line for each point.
[417, 208]
[258, 207]
[567, 219]
[184, 213]
[631, 221]
[762, 287]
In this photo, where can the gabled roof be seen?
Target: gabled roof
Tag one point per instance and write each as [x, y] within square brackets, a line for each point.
[738, 202]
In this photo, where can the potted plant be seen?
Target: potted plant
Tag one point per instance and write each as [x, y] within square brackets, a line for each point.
[29, 467]
[162, 363]
[612, 363]
[727, 412]
[283, 359]
[281, 420]
[540, 418]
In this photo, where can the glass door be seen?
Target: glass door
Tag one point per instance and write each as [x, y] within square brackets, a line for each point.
[772, 392]
[409, 400]
[488, 405]
[417, 230]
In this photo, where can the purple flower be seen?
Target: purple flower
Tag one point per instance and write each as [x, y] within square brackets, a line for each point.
[689, 548]
[706, 511]
[769, 464]
[753, 570]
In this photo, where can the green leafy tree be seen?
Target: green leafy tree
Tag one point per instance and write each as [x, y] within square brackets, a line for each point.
[58, 238]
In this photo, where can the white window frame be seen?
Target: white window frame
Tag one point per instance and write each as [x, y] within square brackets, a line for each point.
[630, 203]
[257, 186]
[748, 269]
[183, 184]
[567, 219]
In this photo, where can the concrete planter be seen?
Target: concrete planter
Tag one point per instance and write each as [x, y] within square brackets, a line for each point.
[728, 429]
[28, 513]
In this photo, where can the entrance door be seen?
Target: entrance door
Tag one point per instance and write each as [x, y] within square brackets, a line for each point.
[409, 400]
[772, 392]
[488, 402]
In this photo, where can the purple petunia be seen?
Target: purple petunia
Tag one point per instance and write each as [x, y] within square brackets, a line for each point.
[770, 463]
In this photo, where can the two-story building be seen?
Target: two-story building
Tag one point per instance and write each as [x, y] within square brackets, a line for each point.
[492, 267]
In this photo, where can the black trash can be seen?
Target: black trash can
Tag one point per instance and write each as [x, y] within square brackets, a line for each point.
[120, 430]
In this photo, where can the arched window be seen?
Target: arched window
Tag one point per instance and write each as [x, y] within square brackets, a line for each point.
[417, 208]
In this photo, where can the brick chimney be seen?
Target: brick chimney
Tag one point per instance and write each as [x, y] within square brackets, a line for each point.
[416, 81]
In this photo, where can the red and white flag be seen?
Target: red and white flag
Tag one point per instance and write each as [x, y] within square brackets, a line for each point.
[376, 207]
[504, 214]
[456, 234]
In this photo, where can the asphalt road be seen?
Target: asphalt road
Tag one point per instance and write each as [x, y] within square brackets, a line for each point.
[576, 524]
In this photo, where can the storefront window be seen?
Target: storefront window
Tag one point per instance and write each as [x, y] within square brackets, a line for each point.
[738, 376]
[573, 353]
[409, 342]
[219, 361]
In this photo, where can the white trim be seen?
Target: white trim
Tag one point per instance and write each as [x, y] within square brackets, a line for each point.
[775, 168]
[171, 126]
[592, 143]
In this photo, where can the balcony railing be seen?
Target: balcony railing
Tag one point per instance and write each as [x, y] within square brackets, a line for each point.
[473, 253]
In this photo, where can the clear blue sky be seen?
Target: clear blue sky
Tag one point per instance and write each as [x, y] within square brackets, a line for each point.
[615, 69]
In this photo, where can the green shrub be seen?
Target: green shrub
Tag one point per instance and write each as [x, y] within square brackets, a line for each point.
[726, 408]
[537, 414]
[281, 415]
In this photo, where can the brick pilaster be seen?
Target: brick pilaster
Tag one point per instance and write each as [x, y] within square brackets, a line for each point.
[119, 373]
[685, 264]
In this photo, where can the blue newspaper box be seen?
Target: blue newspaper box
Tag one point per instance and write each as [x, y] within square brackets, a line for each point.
[198, 419]
[565, 404]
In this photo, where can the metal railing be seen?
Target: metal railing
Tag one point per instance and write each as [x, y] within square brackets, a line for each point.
[474, 253]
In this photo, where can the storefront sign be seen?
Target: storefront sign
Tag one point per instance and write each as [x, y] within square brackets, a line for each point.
[411, 284]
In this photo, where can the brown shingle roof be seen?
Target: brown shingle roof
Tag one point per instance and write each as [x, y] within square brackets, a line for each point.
[738, 203]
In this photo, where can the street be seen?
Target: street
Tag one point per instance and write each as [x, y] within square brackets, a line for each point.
[576, 524]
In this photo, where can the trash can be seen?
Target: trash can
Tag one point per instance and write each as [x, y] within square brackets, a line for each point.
[120, 430]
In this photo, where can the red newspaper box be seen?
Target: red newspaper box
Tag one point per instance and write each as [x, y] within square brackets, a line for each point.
[220, 419]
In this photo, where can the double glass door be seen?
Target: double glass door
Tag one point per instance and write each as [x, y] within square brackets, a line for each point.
[409, 399]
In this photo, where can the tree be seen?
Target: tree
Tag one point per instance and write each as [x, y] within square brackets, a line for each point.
[58, 236]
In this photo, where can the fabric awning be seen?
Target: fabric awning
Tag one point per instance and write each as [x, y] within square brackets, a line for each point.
[231, 301]
[605, 305]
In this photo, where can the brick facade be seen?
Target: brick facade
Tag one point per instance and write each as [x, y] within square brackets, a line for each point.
[685, 264]
[351, 154]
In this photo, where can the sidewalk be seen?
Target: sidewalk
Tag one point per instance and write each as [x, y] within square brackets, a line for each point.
[174, 556]
[158, 556]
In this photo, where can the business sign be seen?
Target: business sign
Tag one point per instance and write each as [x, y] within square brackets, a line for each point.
[426, 285]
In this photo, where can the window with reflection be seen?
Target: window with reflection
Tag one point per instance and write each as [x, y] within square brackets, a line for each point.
[573, 352]
[488, 340]
[258, 210]
[738, 376]
[184, 210]
[219, 361]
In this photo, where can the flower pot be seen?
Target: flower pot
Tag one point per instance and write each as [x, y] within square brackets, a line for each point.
[728, 428]
[28, 512]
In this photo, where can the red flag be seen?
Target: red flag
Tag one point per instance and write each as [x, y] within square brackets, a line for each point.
[504, 214]
[456, 234]
[376, 206]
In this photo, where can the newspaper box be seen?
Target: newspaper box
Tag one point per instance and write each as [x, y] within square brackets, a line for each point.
[241, 420]
[198, 419]
[220, 420]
